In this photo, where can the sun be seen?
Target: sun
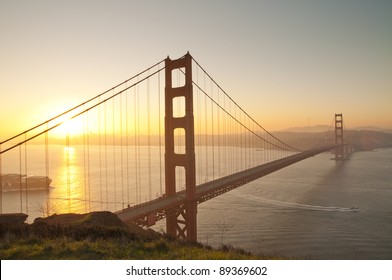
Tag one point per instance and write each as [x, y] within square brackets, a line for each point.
[70, 127]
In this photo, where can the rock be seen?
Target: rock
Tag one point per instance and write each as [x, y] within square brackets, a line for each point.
[94, 225]
[104, 219]
[13, 219]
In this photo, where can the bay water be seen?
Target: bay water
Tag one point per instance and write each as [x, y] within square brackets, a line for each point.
[317, 208]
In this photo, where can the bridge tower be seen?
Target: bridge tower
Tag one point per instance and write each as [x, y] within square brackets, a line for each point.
[339, 151]
[180, 222]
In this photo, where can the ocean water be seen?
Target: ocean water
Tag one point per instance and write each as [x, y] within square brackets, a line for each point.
[109, 178]
[316, 209]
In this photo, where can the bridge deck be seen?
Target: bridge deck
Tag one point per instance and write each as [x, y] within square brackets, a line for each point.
[147, 213]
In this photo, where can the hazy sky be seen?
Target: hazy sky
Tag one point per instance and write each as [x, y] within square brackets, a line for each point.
[287, 63]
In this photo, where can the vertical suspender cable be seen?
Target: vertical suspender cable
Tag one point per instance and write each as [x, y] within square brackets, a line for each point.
[239, 143]
[139, 190]
[266, 148]
[243, 141]
[206, 127]
[212, 134]
[114, 152]
[127, 143]
[100, 155]
[84, 160]
[149, 139]
[121, 152]
[230, 141]
[160, 135]
[219, 140]
[253, 146]
[199, 128]
[68, 171]
[88, 163]
[237, 154]
[106, 155]
[226, 143]
[235, 139]
[246, 123]
[135, 145]
[240, 140]
[47, 171]
[27, 210]
[20, 178]
[249, 140]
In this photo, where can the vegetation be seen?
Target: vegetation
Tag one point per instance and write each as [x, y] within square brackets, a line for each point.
[83, 238]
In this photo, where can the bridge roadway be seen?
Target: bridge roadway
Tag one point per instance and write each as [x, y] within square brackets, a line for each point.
[148, 212]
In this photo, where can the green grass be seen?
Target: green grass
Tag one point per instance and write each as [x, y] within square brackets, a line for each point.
[39, 242]
[100, 236]
[71, 249]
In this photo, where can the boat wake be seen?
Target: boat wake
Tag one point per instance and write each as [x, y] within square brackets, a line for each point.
[294, 205]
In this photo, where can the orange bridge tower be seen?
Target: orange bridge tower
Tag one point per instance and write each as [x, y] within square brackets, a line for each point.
[181, 221]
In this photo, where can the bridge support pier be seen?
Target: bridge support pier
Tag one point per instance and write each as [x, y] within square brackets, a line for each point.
[180, 222]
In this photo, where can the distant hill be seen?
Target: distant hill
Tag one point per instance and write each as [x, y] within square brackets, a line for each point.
[321, 128]
[361, 140]
[364, 140]
[312, 129]
[373, 128]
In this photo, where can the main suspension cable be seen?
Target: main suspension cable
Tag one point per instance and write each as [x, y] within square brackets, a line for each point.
[291, 148]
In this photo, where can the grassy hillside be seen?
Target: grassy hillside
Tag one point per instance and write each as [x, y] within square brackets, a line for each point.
[99, 235]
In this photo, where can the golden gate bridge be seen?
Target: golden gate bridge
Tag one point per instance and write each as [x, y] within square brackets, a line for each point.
[152, 147]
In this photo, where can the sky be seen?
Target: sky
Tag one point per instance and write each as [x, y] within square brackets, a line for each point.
[287, 63]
